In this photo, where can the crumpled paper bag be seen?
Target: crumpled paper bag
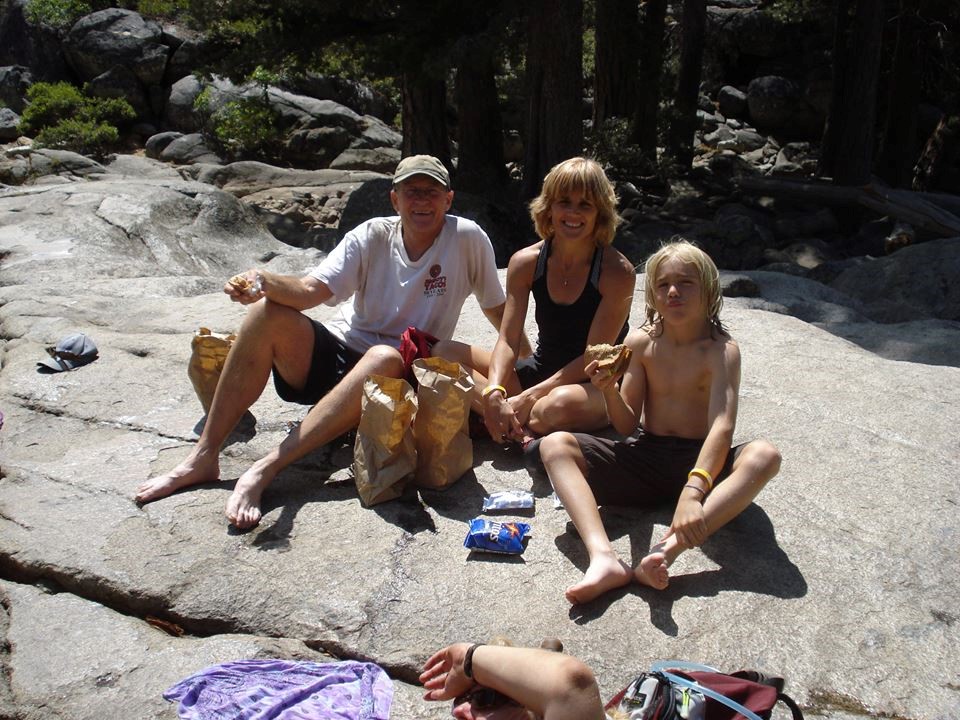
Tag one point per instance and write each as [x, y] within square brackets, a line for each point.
[209, 353]
[444, 447]
[384, 455]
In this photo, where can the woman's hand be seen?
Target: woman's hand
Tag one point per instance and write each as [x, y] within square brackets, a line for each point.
[522, 405]
[501, 419]
[443, 675]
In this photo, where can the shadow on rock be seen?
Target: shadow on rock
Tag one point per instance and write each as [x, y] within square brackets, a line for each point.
[407, 513]
[461, 501]
[245, 430]
[746, 550]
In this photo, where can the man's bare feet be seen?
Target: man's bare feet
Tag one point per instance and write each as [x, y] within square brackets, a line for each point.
[605, 572]
[243, 507]
[653, 571]
[197, 468]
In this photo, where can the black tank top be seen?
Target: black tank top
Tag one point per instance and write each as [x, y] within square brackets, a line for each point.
[563, 329]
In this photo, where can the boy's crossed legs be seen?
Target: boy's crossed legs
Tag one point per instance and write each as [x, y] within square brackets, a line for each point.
[753, 465]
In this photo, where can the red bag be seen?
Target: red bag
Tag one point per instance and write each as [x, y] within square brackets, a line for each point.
[414, 343]
[673, 690]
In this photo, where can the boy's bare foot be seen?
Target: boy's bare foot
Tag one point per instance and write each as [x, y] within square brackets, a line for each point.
[653, 570]
[605, 572]
[192, 471]
[243, 507]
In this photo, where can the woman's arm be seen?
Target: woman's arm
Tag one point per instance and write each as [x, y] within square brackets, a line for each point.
[553, 685]
[498, 414]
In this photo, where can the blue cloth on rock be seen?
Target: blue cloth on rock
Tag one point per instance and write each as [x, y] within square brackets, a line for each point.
[285, 690]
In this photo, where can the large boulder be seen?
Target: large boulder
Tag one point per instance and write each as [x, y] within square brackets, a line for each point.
[862, 416]
[15, 80]
[9, 125]
[33, 165]
[31, 45]
[99, 41]
[121, 82]
[918, 281]
[357, 96]
[180, 113]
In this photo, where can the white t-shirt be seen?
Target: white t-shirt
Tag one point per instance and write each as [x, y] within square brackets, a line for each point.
[391, 292]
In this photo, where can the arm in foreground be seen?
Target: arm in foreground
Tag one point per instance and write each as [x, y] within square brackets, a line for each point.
[553, 685]
[688, 522]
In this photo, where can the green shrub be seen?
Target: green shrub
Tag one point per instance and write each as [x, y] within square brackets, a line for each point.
[246, 127]
[86, 137]
[610, 144]
[56, 13]
[62, 116]
[49, 103]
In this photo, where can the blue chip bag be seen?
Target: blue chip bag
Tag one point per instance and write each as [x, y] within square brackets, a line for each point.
[496, 536]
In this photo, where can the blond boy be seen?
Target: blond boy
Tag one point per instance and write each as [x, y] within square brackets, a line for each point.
[678, 401]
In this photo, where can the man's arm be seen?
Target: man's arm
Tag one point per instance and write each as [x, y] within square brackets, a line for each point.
[688, 521]
[299, 293]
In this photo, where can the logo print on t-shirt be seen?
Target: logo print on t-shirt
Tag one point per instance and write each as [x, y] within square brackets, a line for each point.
[436, 284]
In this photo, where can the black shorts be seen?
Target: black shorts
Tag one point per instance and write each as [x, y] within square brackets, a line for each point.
[530, 372]
[331, 361]
[643, 470]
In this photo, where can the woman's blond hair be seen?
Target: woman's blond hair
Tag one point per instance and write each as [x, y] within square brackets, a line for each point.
[707, 271]
[584, 175]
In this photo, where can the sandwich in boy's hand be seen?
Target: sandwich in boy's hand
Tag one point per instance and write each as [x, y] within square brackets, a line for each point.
[612, 359]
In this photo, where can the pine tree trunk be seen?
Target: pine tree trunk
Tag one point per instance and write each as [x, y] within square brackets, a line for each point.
[554, 88]
[615, 76]
[423, 117]
[901, 148]
[645, 120]
[684, 122]
[847, 153]
[480, 165]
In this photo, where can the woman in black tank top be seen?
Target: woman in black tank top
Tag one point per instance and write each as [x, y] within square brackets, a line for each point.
[583, 289]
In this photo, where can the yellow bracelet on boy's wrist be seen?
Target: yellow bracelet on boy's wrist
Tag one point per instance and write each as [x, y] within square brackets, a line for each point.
[703, 475]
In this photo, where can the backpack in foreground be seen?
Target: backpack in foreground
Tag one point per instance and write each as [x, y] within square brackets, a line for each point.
[676, 690]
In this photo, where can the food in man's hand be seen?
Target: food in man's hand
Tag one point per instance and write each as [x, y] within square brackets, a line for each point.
[612, 359]
[240, 283]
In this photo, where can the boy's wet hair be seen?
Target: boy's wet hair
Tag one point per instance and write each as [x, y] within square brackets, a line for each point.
[707, 271]
[586, 176]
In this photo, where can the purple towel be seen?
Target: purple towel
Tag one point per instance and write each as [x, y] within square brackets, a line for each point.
[285, 690]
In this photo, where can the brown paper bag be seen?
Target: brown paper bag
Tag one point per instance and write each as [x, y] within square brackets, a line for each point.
[384, 456]
[444, 447]
[206, 363]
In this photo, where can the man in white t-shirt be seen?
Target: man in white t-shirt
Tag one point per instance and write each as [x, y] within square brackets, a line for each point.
[415, 269]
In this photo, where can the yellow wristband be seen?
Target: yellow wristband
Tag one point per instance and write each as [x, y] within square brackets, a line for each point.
[492, 389]
[703, 475]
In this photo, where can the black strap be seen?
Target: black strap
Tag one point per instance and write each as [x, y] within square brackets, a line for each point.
[790, 703]
[542, 260]
[595, 267]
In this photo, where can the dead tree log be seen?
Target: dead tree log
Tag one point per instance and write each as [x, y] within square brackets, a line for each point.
[919, 209]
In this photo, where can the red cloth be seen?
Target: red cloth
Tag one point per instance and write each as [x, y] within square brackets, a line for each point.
[414, 343]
